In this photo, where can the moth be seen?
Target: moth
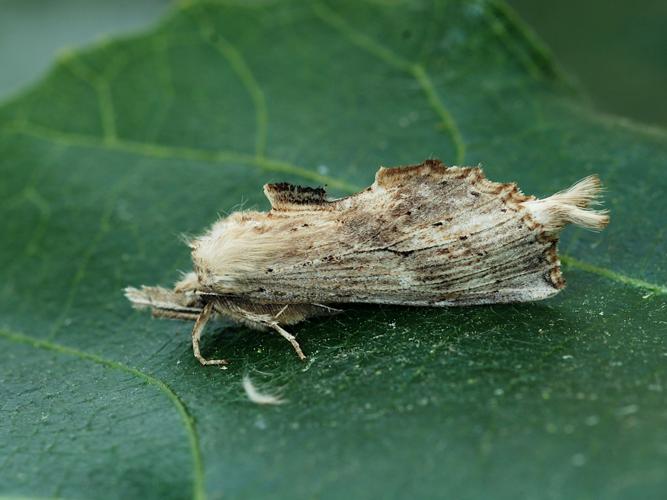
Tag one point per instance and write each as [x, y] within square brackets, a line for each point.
[421, 235]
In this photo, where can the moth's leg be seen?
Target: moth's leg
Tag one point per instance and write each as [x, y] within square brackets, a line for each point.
[165, 313]
[329, 309]
[202, 319]
[165, 303]
[291, 338]
[281, 311]
[285, 334]
[264, 321]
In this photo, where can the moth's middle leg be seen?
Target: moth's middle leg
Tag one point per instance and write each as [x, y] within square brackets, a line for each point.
[263, 321]
[291, 338]
[285, 334]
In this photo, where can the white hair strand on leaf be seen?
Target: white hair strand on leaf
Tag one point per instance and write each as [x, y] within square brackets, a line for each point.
[257, 397]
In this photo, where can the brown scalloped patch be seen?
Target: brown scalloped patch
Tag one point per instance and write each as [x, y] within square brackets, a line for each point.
[514, 199]
[554, 276]
[392, 176]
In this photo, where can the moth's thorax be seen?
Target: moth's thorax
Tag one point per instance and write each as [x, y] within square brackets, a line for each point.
[226, 251]
[245, 245]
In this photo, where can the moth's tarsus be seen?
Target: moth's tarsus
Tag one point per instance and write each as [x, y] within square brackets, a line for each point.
[571, 206]
[423, 235]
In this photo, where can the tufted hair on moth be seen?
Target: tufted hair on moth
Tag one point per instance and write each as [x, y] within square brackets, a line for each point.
[237, 247]
[570, 206]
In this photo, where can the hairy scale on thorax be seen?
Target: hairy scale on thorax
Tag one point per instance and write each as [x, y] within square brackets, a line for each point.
[424, 235]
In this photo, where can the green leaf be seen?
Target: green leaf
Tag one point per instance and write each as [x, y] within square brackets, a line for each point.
[124, 147]
[28, 46]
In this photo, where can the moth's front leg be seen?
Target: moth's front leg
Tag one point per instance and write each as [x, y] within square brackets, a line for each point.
[197, 330]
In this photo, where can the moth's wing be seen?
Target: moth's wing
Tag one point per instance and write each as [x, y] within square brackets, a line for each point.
[420, 235]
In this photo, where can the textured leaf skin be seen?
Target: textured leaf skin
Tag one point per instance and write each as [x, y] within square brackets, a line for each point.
[122, 148]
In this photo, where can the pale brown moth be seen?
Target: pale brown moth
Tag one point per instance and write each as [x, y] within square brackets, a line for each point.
[423, 235]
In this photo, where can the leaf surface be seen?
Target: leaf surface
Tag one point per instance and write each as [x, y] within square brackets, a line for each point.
[124, 147]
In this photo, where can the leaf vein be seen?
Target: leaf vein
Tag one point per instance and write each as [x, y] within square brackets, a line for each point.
[100, 85]
[104, 227]
[238, 63]
[415, 70]
[155, 150]
[198, 491]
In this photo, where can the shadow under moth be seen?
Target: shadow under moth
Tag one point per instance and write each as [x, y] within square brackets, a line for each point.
[423, 235]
